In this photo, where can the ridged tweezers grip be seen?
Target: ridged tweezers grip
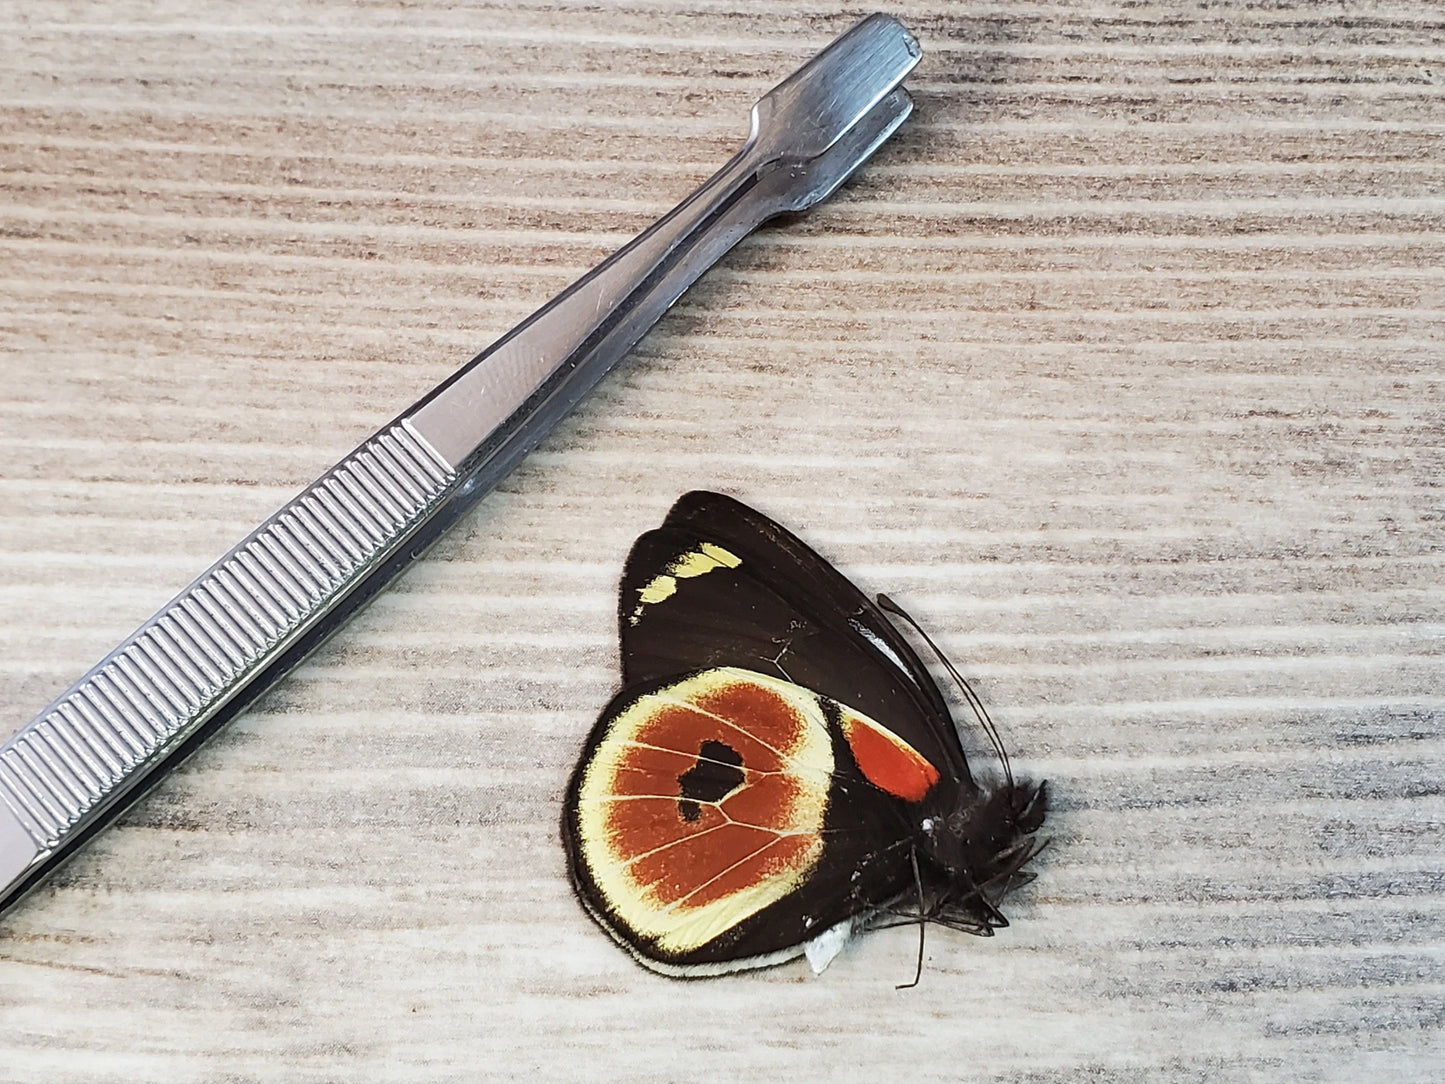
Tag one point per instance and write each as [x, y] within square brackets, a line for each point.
[168, 677]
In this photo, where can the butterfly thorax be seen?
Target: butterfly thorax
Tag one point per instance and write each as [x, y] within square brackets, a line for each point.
[972, 843]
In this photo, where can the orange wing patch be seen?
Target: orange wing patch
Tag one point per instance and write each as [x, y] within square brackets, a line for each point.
[886, 760]
[704, 803]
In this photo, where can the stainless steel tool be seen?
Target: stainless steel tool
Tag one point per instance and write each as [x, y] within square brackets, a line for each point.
[262, 608]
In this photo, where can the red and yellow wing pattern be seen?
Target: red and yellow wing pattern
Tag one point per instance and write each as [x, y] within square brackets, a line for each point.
[701, 803]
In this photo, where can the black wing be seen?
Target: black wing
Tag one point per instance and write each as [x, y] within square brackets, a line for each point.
[720, 584]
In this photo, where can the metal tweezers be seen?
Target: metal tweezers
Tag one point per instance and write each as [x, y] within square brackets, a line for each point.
[256, 613]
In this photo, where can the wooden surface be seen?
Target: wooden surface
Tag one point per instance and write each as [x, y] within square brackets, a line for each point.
[1121, 367]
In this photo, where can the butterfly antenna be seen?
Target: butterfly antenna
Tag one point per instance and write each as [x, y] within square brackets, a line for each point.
[971, 697]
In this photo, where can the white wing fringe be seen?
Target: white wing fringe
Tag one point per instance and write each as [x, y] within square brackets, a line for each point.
[821, 950]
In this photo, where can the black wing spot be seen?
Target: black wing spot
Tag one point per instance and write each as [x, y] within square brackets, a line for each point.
[717, 773]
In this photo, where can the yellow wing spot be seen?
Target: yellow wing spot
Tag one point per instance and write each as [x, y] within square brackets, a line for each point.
[703, 560]
[660, 588]
[699, 562]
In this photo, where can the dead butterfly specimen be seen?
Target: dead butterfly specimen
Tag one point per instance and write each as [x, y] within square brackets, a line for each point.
[780, 769]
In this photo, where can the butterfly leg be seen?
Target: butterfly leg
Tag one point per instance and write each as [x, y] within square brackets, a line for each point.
[983, 915]
[922, 921]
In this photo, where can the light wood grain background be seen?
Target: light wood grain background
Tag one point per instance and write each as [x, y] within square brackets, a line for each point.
[1121, 367]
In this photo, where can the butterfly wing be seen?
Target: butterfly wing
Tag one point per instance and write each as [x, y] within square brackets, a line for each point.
[720, 584]
[776, 762]
[722, 819]
[802, 574]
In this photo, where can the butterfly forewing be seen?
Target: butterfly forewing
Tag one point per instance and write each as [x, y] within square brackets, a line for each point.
[804, 577]
[720, 585]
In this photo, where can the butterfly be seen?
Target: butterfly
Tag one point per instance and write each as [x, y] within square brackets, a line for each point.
[779, 770]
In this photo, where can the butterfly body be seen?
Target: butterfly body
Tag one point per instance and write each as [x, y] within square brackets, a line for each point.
[779, 768]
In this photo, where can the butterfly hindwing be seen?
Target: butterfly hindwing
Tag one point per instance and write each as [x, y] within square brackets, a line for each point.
[720, 819]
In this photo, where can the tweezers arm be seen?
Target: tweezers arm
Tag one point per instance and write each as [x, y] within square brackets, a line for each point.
[111, 729]
[262, 608]
[256, 613]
